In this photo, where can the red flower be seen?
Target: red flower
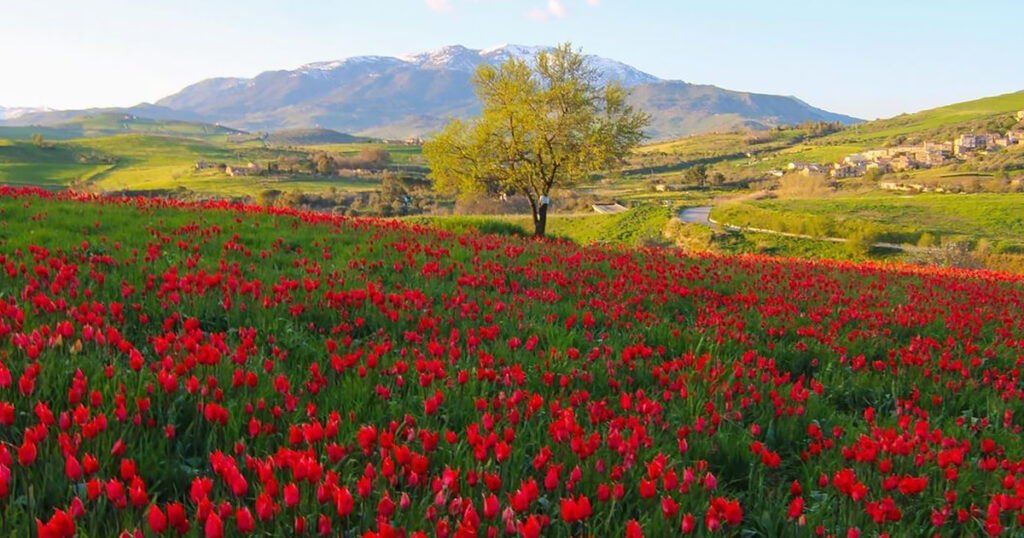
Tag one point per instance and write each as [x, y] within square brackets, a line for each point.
[531, 528]
[156, 519]
[244, 520]
[633, 529]
[688, 523]
[291, 494]
[796, 508]
[72, 469]
[491, 506]
[26, 453]
[214, 527]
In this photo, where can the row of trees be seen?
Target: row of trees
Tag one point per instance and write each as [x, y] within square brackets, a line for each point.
[323, 162]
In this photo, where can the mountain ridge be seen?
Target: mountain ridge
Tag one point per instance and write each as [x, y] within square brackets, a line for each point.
[416, 94]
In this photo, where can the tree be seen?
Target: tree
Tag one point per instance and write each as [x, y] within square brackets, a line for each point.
[542, 126]
[697, 175]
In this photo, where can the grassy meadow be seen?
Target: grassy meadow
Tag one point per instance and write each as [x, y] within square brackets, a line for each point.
[114, 153]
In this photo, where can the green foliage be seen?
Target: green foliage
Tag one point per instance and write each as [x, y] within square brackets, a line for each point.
[861, 241]
[697, 175]
[540, 128]
[690, 236]
[460, 225]
[639, 226]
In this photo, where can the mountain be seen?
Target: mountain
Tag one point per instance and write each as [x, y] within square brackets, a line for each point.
[16, 112]
[416, 94]
[680, 109]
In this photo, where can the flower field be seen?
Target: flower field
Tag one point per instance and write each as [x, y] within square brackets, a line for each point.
[217, 370]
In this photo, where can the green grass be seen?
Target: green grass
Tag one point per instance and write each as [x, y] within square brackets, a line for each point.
[107, 124]
[994, 217]
[641, 225]
[400, 153]
[157, 164]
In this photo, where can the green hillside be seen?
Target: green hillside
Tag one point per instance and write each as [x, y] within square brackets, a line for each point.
[311, 137]
[987, 113]
[755, 152]
[107, 124]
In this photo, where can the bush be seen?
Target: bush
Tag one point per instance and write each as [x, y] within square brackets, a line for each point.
[689, 236]
[861, 242]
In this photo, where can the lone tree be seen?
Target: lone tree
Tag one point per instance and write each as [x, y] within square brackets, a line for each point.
[545, 125]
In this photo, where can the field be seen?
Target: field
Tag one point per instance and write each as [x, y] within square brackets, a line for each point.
[155, 163]
[997, 218]
[209, 369]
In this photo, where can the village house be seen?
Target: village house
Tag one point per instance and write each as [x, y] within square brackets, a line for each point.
[967, 143]
[902, 163]
[806, 168]
[249, 169]
[844, 170]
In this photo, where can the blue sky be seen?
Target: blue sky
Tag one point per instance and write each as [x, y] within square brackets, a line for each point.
[865, 58]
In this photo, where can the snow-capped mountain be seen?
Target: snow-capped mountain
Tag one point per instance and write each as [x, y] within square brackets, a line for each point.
[459, 58]
[11, 113]
[416, 94]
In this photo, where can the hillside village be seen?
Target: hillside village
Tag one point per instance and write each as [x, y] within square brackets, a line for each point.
[902, 158]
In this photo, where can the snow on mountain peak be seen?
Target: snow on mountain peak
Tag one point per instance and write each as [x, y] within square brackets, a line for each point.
[353, 61]
[10, 113]
[460, 58]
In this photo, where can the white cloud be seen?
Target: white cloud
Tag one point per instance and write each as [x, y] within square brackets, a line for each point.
[593, 3]
[440, 6]
[556, 9]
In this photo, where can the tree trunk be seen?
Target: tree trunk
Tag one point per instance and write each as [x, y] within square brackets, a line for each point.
[540, 221]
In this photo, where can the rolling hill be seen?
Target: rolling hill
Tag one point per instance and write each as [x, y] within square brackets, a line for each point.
[416, 94]
[762, 151]
[114, 123]
[314, 136]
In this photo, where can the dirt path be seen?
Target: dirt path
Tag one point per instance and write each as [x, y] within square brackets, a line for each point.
[702, 215]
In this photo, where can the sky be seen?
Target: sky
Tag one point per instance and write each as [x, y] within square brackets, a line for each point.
[864, 58]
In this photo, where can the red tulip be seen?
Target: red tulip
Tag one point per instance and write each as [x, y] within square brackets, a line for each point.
[176, 517]
[265, 507]
[291, 495]
[530, 528]
[26, 453]
[491, 506]
[323, 525]
[214, 527]
[796, 508]
[156, 519]
[72, 469]
[688, 523]
[244, 520]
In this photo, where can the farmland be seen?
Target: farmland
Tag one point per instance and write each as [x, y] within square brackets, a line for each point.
[212, 369]
[152, 162]
[993, 217]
